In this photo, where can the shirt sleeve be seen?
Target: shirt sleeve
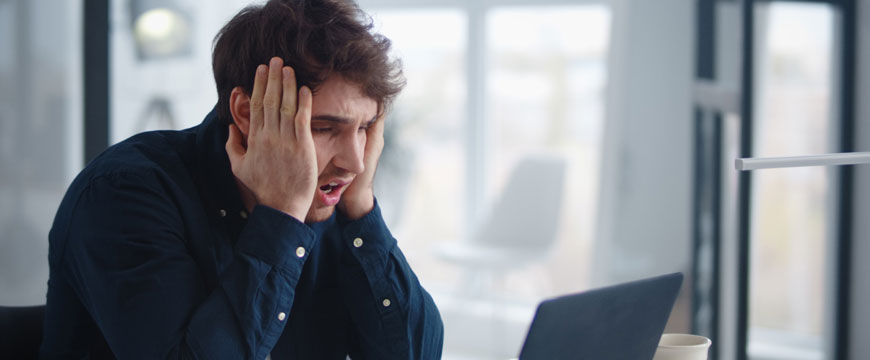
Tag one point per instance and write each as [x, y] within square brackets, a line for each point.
[128, 262]
[393, 316]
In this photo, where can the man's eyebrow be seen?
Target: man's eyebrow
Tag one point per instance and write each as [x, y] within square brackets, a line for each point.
[331, 118]
[341, 119]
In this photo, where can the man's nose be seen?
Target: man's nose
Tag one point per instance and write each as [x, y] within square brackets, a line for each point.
[350, 153]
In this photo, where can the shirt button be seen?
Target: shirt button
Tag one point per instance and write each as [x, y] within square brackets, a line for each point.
[222, 212]
[243, 214]
[281, 316]
[300, 251]
[386, 302]
[357, 242]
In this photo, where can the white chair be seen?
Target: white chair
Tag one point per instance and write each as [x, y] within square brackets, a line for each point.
[521, 227]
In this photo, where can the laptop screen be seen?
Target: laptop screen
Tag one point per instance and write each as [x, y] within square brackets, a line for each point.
[624, 321]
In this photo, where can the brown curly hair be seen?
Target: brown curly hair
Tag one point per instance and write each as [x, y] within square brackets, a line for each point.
[318, 38]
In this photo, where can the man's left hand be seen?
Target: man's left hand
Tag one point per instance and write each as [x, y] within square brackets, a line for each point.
[359, 199]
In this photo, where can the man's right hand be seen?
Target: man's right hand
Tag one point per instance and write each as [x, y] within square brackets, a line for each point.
[279, 165]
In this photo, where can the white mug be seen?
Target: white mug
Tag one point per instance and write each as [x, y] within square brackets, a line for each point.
[682, 347]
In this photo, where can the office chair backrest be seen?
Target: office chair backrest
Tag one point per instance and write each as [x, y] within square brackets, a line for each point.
[527, 211]
[21, 331]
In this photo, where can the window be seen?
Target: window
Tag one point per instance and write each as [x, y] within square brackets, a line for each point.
[40, 135]
[791, 234]
[545, 94]
[542, 73]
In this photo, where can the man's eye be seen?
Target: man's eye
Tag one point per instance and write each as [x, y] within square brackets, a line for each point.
[321, 130]
[363, 128]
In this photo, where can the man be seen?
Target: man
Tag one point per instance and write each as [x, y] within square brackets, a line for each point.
[223, 241]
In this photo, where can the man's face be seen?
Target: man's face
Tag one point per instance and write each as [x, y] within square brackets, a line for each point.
[340, 115]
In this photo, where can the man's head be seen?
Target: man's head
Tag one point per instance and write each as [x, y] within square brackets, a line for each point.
[329, 45]
[317, 38]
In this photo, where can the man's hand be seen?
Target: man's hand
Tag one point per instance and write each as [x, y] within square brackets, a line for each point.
[279, 165]
[359, 199]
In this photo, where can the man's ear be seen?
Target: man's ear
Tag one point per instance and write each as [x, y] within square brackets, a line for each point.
[240, 108]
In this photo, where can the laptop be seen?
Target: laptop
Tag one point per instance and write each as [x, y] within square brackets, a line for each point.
[624, 321]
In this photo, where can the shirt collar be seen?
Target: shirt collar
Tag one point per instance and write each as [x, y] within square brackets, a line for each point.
[221, 192]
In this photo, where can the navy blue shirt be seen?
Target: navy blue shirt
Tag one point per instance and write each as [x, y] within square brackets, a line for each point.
[152, 255]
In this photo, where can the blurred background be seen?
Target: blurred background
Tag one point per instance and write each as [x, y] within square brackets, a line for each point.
[540, 148]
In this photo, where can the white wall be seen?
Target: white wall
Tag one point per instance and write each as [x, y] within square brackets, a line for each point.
[644, 227]
[186, 81]
[860, 326]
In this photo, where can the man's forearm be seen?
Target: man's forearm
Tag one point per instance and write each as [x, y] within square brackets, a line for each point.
[393, 315]
[147, 295]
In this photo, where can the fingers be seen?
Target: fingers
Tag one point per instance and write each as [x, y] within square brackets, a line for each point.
[257, 100]
[272, 97]
[303, 115]
[377, 128]
[375, 134]
[235, 149]
[288, 102]
[274, 101]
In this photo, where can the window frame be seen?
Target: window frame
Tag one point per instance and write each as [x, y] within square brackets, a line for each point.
[708, 186]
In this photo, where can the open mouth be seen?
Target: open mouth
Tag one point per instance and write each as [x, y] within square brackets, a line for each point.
[330, 193]
[328, 188]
